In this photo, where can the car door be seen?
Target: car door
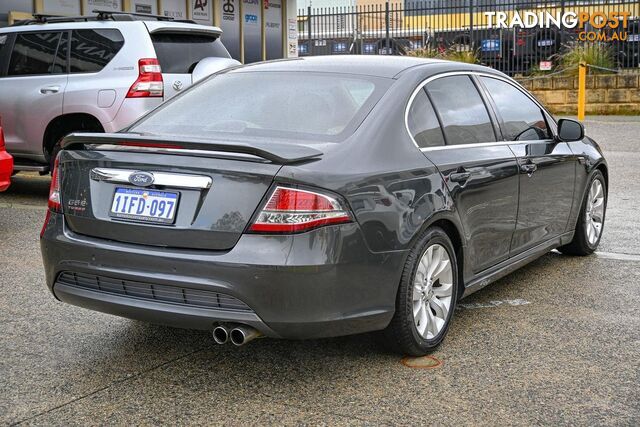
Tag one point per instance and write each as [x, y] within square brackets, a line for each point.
[459, 137]
[32, 90]
[547, 166]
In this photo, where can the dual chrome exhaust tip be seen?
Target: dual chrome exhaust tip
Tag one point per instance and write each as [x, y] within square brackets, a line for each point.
[237, 334]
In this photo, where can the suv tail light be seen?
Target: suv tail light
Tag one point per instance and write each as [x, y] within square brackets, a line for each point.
[290, 210]
[149, 82]
[54, 189]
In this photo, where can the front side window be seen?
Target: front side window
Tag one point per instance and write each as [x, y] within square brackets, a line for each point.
[91, 50]
[464, 116]
[34, 53]
[423, 123]
[523, 119]
[286, 105]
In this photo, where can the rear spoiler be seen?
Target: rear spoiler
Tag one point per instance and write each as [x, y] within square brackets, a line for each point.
[280, 153]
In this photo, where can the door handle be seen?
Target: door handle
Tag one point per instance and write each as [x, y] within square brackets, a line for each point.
[459, 176]
[49, 89]
[529, 168]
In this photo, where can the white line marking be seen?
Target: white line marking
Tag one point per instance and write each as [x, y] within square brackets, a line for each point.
[493, 304]
[618, 256]
[42, 207]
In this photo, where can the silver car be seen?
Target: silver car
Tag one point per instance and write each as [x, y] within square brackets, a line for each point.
[94, 74]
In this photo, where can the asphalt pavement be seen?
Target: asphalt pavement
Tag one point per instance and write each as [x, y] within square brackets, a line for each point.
[557, 342]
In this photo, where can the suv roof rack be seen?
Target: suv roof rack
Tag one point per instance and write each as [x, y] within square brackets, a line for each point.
[101, 15]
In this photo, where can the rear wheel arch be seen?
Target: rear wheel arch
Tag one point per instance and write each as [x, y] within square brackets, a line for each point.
[455, 234]
[65, 124]
[456, 239]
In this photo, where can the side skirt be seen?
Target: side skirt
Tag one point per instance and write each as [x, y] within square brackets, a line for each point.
[512, 264]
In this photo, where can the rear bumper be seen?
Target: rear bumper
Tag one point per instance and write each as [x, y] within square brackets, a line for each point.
[317, 284]
[6, 169]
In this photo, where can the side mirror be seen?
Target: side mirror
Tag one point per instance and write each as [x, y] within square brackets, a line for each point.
[570, 130]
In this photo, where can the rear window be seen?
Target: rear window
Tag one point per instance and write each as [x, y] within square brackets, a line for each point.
[180, 53]
[284, 105]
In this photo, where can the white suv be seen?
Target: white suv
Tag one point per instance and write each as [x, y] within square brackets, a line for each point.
[95, 74]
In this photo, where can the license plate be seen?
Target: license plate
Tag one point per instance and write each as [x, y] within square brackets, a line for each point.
[144, 205]
[545, 43]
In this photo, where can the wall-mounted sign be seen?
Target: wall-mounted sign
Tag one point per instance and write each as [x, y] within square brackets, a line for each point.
[61, 7]
[230, 25]
[252, 31]
[144, 6]
[176, 9]
[273, 28]
[201, 11]
[91, 5]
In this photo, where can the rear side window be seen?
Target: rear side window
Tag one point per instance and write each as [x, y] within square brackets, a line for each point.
[180, 53]
[34, 53]
[523, 118]
[91, 50]
[464, 116]
[423, 123]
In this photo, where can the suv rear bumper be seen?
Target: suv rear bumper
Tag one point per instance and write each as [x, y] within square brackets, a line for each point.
[316, 284]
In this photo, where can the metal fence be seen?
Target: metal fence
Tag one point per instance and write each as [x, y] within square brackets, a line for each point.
[442, 27]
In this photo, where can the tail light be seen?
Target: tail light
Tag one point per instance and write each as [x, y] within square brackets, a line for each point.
[54, 189]
[149, 82]
[290, 210]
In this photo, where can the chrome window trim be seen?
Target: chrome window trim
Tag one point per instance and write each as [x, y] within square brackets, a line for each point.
[173, 180]
[478, 144]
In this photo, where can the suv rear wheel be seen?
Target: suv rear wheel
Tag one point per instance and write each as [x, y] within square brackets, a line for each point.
[63, 126]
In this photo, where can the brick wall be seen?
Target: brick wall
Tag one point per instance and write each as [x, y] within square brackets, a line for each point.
[606, 94]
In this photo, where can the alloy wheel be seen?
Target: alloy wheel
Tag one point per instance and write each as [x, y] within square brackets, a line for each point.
[595, 212]
[432, 291]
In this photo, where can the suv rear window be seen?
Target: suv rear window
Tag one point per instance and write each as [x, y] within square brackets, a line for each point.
[180, 53]
[91, 50]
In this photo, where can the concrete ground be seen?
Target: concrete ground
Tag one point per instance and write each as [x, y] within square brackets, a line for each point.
[557, 342]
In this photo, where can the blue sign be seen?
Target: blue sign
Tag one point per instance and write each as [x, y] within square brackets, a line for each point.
[490, 45]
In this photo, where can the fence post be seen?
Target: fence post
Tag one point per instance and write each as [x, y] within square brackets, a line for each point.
[471, 23]
[386, 27]
[582, 83]
[562, 29]
[310, 48]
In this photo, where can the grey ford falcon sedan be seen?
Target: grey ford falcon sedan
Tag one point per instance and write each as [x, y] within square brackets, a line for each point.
[320, 197]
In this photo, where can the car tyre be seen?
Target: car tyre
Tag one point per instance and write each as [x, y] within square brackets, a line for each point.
[405, 334]
[584, 242]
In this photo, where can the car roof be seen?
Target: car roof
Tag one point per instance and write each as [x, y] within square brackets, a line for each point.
[374, 65]
[151, 26]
